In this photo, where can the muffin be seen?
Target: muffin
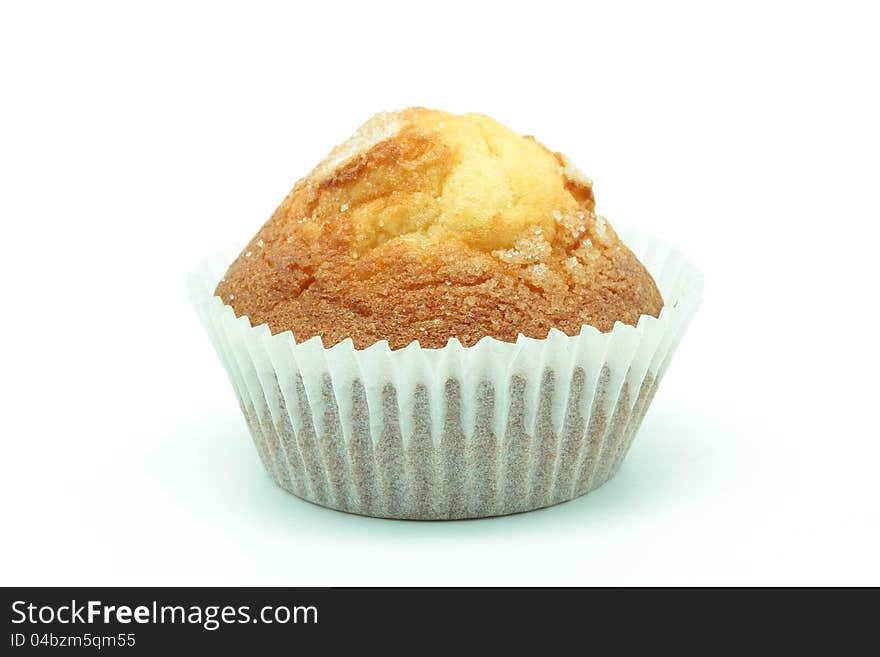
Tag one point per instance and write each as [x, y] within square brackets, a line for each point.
[426, 226]
[436, 324]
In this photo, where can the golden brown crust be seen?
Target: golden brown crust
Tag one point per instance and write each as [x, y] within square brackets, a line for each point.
[427, 226]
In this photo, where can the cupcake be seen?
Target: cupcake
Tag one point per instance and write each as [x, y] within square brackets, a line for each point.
[436, 324]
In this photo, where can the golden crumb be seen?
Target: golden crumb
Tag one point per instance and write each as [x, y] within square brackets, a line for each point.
[425, 226]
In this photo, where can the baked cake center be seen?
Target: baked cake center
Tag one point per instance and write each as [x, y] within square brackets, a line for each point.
[432, 176]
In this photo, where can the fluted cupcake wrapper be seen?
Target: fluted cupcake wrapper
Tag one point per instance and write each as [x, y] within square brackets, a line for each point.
[456, 432]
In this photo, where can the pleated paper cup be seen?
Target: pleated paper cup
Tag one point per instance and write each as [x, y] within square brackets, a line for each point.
[456, 432]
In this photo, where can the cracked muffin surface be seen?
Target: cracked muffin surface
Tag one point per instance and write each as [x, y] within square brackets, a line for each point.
[427, 226]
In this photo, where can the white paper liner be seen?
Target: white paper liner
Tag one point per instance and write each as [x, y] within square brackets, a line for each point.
[455, 432]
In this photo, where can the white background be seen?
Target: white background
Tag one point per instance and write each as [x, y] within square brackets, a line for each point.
[135, 141]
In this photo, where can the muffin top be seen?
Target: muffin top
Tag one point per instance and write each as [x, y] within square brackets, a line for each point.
[427, 226]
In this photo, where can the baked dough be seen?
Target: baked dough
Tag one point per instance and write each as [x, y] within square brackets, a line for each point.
[427, 226]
